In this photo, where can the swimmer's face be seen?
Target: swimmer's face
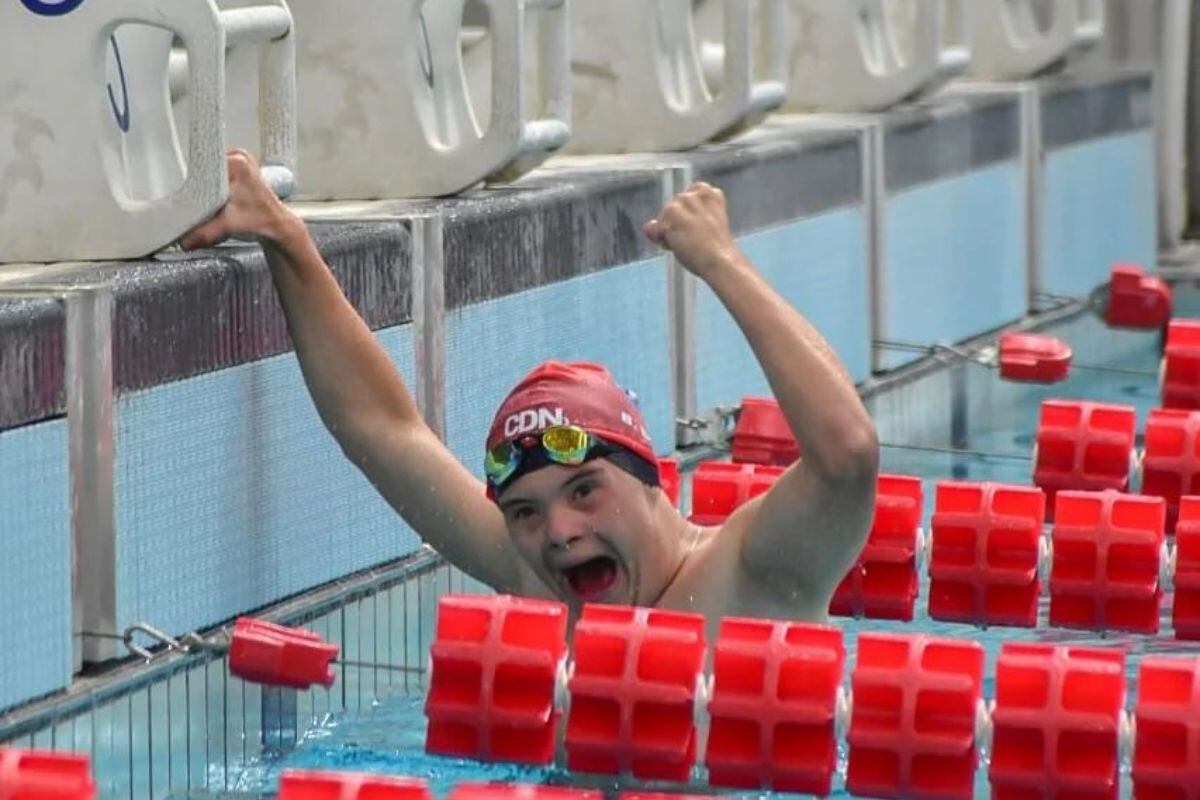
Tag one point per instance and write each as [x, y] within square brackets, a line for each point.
[585, 530]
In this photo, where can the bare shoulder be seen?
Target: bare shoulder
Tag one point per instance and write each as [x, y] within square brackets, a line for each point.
[716, 582]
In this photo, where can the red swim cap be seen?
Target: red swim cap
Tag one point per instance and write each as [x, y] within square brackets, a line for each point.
[576, 393]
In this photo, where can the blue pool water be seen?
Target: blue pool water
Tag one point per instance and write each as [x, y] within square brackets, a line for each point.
[389, 736]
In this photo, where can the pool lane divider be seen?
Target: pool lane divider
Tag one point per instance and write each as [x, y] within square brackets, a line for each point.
[637, 704]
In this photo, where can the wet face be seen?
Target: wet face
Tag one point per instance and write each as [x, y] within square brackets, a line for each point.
[588, 531]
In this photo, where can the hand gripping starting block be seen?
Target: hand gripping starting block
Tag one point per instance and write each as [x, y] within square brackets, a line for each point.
[869, 55]
[638, 79]
[98, 169]
[386, 110]
[1010, 42]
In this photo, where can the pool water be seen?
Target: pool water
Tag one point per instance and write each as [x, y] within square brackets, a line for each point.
[388, 737]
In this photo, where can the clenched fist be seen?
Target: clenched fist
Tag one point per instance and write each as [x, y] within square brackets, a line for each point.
[695, 227]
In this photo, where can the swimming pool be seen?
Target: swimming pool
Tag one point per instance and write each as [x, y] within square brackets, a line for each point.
[184, 727]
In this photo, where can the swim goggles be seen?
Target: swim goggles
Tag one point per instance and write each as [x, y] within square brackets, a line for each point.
[562, 444]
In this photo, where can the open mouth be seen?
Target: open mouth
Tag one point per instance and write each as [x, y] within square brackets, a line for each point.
[591, 579]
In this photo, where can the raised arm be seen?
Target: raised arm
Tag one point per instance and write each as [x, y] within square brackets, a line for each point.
[802, 536]
[358, 392]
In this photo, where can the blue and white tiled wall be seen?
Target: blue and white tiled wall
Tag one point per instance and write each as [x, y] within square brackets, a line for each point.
[35, 562]
[1098, 208]
[819, 265]
[230, 494]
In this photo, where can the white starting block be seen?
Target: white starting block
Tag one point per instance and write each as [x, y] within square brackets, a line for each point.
[1012, 41]
[869, 55]
[639, 77]
[385, 110]
[92, 165]
[260, 86]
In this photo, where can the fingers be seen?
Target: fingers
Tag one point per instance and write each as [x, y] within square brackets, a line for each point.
[208, 234]
[656, 232]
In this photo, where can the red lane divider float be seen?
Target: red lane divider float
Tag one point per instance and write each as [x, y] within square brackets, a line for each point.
[633, 692]
[1185, 610]
[519, 791]
[495, 664]
[1136, 300]
[762, 434]
[1056, 721]
[1033, 358]
[774, 706]
[719, 488]
[983, 563]
[44, 775]
[1166, 754]
[912, 729]
[1105, 572]
[276, 655]
[1181, 365]
[1171, 460]
[1083, 446]
[320, 785]
[883, 584]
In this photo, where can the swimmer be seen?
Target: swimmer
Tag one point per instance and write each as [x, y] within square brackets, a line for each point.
[572, 509]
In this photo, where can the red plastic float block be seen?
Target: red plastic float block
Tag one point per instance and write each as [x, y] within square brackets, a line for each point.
[1166, 753]
[633, 692]
[1056, 722]
[276, 655]
[983, 564]
[1136, 300]
[719, 488]
[668, 476]
[44, 775]
[774, 706]
[912, 727]
[1105, 571]
[1185, 610]
[518, 791]
[314, 785]
[1171, 463]
[1034, 358]
[883, 583]
[1083, 446]
[1181, 376]
[495, 663]
[762, 434]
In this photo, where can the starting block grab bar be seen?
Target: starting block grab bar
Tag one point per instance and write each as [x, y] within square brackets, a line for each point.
[1010, 43]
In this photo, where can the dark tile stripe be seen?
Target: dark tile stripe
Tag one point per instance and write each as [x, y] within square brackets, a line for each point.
[950, 135]
[32, 361]
[1076, 108]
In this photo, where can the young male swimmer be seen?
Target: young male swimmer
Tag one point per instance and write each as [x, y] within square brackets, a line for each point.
[572, 508]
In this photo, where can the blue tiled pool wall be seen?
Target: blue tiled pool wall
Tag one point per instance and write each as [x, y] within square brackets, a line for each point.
[616, 317]
[262, 503]
[231, 494]
[35, 569]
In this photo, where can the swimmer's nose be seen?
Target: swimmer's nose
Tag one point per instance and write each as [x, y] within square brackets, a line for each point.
[565, 527]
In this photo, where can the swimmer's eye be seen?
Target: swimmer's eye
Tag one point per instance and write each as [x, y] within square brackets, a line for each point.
[519, 513]
[582, 490]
